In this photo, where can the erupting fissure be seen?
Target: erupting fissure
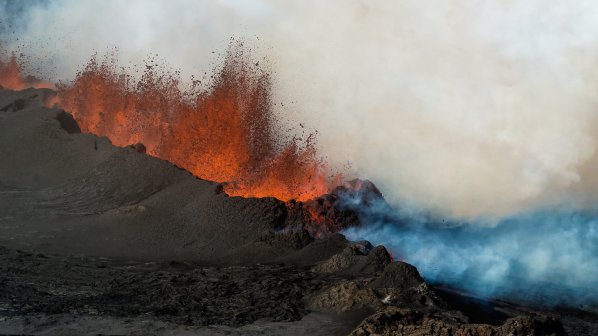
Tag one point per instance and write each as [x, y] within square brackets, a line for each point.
[226, 133]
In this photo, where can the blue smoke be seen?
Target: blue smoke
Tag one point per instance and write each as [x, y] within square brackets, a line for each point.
[548, 257]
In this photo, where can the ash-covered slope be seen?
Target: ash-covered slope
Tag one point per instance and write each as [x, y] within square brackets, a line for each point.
[66, 192]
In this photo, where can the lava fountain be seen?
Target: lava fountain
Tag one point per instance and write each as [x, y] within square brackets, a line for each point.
[226, 133]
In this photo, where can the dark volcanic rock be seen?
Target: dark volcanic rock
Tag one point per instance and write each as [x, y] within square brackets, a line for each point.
[180, 292]
[67, 122]
[14, 106]
[398, 285]
[139, 147]
[398, 275]
[397, 321]
[347, 205]
[292, 239]
[344, 296]
[358, 258]
[358, 192]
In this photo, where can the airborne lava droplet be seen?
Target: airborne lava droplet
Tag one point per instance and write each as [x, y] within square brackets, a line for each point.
[226, 133]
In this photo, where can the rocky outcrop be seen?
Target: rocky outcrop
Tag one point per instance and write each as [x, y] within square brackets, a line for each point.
[138, 147]
[403, 302]
[357, 258]
[398, 275]
[67, 122]
[381, 285]
[347, 205]
[397, 322]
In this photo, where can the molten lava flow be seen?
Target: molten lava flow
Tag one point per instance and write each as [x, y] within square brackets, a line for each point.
[11, 77]
[225, 133]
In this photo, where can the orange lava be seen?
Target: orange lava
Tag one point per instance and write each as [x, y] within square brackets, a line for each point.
[226, 133]
[11, 77]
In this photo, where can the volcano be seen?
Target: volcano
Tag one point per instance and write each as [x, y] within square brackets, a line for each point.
[137, 207]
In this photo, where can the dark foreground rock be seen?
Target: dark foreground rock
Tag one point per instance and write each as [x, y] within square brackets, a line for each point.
[45, 289]
[408, 322]
[79, 295]
[178, 292]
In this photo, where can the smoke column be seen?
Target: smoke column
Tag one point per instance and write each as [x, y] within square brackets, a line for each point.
[482, 112]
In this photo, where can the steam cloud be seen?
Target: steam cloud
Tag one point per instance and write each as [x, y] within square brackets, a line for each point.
[544, 258]
[481, 111]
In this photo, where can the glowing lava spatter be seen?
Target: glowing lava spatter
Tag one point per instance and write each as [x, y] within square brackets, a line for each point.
[11, 77]
[225, 133]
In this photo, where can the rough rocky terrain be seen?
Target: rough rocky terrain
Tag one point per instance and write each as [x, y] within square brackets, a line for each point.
[96, 239]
